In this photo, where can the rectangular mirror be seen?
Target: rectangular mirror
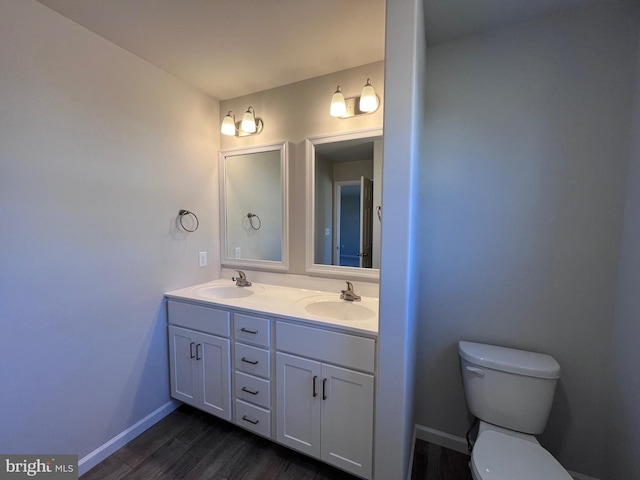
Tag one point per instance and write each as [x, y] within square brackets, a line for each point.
[254, 209]
[344, 212]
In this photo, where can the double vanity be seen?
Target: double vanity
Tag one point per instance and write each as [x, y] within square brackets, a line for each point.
[293, 365]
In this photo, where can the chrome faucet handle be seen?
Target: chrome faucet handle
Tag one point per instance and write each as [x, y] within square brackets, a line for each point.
[349, 294]
[241, 279]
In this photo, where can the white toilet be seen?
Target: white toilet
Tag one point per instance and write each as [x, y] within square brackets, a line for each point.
[510, 391]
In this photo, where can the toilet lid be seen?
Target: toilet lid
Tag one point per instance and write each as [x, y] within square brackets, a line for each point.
[497, 456]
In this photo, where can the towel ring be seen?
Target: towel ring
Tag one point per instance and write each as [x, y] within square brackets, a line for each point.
[251, 216]
[181, 214]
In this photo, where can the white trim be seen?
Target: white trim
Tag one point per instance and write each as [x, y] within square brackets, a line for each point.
[442, 439]
[580, 476]
[89, 461]
[459, 444]
[226, 261]
[366, 274]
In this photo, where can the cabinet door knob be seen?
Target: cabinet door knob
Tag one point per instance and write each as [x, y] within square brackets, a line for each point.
[198, 356]
[252, 362]
[315, 394]
[191, 349]
[246, 330]
[324, 388]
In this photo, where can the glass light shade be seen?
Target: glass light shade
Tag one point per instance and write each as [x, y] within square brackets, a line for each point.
[228, 126]
[248, 121]
[368, 98]
[338, 106]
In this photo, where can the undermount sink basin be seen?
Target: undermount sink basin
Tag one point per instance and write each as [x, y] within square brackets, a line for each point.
[227, 291]
[339, 309]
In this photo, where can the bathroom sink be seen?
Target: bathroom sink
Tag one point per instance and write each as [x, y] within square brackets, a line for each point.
[227, 291]
[338, 309]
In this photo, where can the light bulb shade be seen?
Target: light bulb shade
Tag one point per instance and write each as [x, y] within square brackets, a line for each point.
[368, 98]
[228, 126]
[249, 121]
[338, 105]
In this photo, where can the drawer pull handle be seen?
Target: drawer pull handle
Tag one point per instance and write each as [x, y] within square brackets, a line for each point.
[246, 330]
[191, 349]
[247, 419]
[252, 362]
[245, 389]
[315, 394]
[324, 388]
[198, 356]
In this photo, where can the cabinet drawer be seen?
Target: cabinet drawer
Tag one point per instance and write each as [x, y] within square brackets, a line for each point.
[332, 347]
[253, 360]
[253, 418]
[254, 330]
[205, 319]
[253, 389]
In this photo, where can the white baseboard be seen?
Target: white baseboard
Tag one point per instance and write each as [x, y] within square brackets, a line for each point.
[442, 439]
[580, 476]
[89, 461]
[459, 444]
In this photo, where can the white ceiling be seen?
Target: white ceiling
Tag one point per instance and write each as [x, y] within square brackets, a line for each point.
[230, 48]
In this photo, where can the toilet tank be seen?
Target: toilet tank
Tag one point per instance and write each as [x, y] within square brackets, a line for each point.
[507, 387]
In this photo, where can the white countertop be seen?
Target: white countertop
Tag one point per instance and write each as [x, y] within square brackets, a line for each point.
[288, 302]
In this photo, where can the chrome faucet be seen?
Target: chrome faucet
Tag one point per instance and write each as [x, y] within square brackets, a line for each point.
[349, 294]
[241, 279]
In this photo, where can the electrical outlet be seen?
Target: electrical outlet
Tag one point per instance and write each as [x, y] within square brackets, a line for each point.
[238, 253]
[202, 259]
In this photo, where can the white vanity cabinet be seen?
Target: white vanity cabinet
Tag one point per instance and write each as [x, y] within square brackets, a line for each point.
[324, 404]
[199, 357]
[309, 387]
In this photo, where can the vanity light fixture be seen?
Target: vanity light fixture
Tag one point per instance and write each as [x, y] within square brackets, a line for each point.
[250, 125]
[228, 124]
[367, 102]
[338, 107]
[368, 98]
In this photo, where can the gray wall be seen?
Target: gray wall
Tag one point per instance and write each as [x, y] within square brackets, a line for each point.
[323, 212]
[98, 151]
[258, 238]
[521, 203]
[623, 442]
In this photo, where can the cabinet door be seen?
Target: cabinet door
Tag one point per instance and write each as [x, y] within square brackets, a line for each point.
[347, 419]
[214, 370]
[299, 396]
[183, 375]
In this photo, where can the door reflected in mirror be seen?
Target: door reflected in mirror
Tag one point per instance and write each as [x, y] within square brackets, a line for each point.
[253, 207]
[344, 183]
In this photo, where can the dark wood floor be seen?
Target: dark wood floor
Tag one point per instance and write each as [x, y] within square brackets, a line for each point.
[432, 462]
[192, 445]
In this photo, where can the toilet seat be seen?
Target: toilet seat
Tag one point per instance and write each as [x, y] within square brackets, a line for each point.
[497, 456]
